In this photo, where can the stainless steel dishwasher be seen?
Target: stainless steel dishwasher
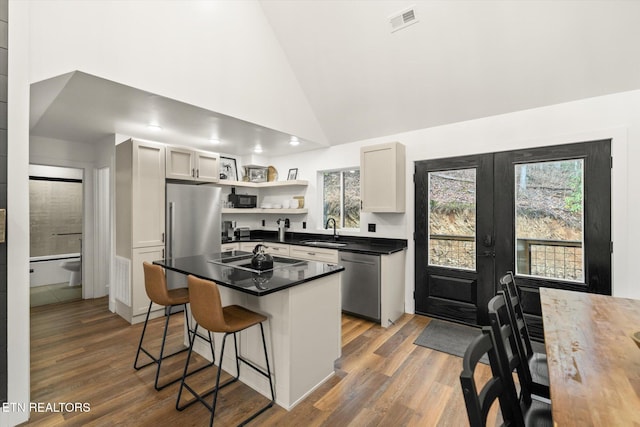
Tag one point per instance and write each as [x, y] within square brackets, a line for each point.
[361, 285]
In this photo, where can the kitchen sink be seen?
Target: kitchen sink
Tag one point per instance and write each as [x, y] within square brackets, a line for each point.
[324, 243]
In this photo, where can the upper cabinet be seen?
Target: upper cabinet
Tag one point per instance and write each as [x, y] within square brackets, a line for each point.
[192, 165]
[382, 177]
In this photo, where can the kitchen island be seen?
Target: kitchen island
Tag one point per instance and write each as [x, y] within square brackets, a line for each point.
[302, 301]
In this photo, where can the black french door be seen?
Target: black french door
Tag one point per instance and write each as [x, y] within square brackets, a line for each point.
[454, 258]
[544, 213]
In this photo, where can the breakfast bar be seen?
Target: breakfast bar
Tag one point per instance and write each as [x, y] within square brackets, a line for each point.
[302, 301]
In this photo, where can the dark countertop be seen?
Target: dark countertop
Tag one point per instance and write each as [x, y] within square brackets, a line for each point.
[259, 284]
[364, 245]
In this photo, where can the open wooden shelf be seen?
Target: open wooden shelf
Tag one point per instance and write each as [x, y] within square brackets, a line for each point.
[291, 183]
[263, 211]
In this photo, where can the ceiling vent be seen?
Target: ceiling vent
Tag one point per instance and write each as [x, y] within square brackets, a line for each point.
[403, 19]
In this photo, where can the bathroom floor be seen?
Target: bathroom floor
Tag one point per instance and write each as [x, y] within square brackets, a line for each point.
[53, 294]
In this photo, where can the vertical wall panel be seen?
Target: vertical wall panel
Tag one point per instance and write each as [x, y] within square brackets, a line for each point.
[4, 23]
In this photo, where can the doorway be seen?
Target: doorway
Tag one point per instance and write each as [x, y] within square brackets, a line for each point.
[543, 213]
[56, 232]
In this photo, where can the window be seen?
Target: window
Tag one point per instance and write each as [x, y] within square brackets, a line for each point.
[549, 204]
[341, 197]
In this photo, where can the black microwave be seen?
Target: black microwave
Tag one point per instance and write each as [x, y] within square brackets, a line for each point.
[243, 200]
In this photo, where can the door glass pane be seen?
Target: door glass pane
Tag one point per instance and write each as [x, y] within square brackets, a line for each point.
[55, 217]
[452, 219]
[549, 203]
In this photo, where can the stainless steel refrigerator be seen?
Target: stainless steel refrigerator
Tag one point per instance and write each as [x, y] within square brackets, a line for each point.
[193, 224]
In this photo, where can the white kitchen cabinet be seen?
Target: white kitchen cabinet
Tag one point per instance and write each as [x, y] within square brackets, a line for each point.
[277, 249]
[382, 177]
[229, 247]
[140, 221]
[314, 254]
[248, 246]
[140, 195]
[139, 299]
[392, 279]
[192, 165]
[271, 248]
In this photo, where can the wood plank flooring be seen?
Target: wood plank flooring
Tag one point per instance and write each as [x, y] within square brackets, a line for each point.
[81, 352]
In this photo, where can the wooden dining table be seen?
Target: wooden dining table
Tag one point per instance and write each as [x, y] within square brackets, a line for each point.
[594, 365]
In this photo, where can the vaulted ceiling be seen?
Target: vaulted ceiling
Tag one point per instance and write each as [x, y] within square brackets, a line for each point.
[460, 60]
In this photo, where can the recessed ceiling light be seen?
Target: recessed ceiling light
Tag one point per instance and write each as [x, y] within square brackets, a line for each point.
[258, 149]
[214, 141]
[154, 126]
[294, 141]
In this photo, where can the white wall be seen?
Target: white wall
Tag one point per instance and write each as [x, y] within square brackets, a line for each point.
[55, 172]
[18, 214]
[104, 157]
[219, 55]
[615, 116]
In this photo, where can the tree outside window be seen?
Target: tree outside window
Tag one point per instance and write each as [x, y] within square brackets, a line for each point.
[341, 197]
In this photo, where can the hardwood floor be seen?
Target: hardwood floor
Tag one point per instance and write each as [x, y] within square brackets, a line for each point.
[80, 352]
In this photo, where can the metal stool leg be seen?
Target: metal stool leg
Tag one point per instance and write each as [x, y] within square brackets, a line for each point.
[144, 328]
[158, 360]
[267, 374]
[186, 372]
[216, 389]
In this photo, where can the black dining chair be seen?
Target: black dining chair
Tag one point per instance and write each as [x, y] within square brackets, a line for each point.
[534, 411]
[536, 362]
[479, 398]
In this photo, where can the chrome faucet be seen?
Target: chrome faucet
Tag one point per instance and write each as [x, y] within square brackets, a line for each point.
[282, 224]
[326, 226]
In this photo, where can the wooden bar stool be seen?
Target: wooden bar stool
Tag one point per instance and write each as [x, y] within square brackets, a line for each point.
[207, 310]
[155, 284]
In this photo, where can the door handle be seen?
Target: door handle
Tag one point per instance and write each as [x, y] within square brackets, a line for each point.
[491, 254]
[357, 262]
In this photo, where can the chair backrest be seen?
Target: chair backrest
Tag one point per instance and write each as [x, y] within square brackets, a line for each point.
[506, 345]
[155, 283]
[206, 304]
[499, 386]
[516, 313]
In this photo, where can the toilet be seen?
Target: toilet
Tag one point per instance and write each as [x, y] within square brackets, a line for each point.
[75, 267]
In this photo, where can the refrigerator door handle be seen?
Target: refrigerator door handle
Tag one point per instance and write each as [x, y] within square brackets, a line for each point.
[170, 230]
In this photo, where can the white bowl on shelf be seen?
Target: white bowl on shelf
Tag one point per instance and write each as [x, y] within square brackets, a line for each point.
[277, 206]
[266, 206]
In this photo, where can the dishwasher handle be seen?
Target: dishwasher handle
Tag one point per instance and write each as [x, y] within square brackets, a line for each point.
[358, 262]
